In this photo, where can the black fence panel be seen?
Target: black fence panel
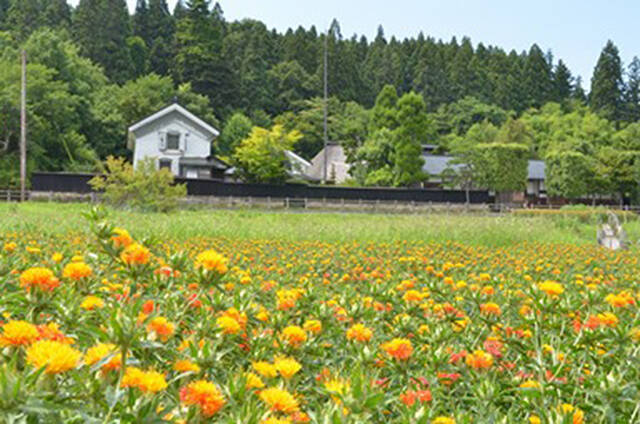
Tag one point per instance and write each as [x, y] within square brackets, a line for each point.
[78, 183]
[61, 182]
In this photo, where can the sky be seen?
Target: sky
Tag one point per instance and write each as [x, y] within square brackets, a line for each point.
[575, 31]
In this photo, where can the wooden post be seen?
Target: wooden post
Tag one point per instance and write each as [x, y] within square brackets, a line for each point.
[23, 129]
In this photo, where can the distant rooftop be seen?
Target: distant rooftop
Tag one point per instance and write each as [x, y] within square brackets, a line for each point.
[436, 164]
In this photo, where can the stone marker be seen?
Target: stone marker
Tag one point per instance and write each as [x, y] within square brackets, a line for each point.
[611, 235]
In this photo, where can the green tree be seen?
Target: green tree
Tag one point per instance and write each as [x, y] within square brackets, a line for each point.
[246, 53]
[562, 82]
[374, 160]
[139, 56]
[632, 92]
[198, 60]
[260, 158]
[55, 141]
[569, 174]
[236, 129]
[458, 117]
[140, 22]
[385, 114]
[413, 129]
[606, 84]
[161, 37]
[290, 83]
[4, 8]
[180, 10]
[502, 167]
[619, 171]
[307, 118]
[537, 81]
[578, 92]
[101, 29]
[24, 17]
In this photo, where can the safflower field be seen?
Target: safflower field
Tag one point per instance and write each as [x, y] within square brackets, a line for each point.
[105, 321]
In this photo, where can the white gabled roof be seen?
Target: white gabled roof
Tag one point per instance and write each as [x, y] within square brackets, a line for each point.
[293, 156]
[174, 108]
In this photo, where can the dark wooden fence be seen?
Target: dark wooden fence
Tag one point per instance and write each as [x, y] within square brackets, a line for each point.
[78, 183]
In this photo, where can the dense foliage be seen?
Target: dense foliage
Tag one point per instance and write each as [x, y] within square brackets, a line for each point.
[105, 69]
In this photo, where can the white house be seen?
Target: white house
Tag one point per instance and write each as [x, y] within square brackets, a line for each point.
[177, 140]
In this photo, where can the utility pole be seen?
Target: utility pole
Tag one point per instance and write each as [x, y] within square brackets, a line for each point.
[23, 129]
[326, 107]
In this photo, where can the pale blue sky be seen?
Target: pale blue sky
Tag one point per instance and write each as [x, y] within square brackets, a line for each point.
[575, 30]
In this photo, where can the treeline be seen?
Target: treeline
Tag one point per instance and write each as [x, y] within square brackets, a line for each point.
[96, 69]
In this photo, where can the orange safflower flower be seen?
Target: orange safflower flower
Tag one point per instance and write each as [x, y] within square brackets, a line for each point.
[253, 381]
[51, 331]
[211, 260]
[41, 278]
[101, 351]
[162, 327]
[135, 254]
[184, 365]
[287, 367]
[92, 302]
[228, 325]
[146, 381]
[490, 309]
[204, 395]
[9, 247]
[279, 400]
[76, 271]
[265, 369]
[399, 349]
[577, 415]
[551, 288]
[359, 333]
[57, 357]
[18, 333]
[121, 237]
[410, 397]
[443, 420]
[294, 335]
[620, 300]
[313, 326]
[479, 360]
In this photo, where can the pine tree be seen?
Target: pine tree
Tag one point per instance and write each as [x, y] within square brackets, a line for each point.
[199, 37]
[24, 17]
[101, 29]
[161, 36]
[632, 91]
[562, 82]
[461, 74]
[606, 84]
[141, 21]
[4, 8]
[537, 80]
[578, 92]
[180, 10]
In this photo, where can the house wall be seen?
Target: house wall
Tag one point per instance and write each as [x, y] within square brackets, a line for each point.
[194, 141]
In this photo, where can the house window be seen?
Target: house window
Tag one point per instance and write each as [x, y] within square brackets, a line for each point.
[173, 141]
[165, 163]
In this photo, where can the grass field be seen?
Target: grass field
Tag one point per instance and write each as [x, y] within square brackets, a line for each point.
[492, 230]
[291, 318]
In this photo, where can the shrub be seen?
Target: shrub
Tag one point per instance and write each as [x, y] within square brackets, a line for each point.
[144, 188]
